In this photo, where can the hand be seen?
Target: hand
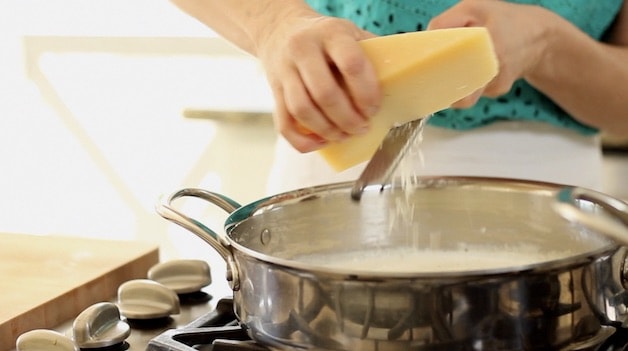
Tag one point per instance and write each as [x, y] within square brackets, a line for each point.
[324, 86]
[517, 33]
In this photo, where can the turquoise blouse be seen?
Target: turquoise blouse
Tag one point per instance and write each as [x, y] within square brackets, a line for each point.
[522, 102]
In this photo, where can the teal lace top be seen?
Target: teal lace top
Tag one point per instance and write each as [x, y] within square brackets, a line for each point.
[384, 17]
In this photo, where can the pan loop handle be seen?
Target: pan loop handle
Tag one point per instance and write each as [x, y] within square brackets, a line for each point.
[164, 208]
[612, 221]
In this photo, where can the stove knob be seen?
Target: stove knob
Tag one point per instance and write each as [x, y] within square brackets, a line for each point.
[100, 326]
[182, 276]
[146, 299]
[44, 340]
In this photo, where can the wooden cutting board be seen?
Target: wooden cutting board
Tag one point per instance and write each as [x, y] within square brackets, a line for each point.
[47, 280]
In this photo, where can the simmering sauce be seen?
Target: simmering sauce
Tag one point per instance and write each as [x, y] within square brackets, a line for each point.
[410, 260]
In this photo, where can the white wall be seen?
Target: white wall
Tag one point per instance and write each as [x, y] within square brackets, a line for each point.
[92, 132]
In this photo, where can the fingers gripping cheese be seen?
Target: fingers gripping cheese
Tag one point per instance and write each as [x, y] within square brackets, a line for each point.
[420, 73]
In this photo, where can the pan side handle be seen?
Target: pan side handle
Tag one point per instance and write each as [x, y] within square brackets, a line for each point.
[165, 209]
[612, 222]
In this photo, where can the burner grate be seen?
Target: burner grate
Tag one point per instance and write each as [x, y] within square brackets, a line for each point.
[218, 330]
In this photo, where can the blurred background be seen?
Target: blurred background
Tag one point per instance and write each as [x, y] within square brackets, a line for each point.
[106, 105]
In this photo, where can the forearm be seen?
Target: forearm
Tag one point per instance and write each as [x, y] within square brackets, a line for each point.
[242, 22]
[585, 77]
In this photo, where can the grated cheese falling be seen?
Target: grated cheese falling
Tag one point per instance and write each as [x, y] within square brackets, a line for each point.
[401, 215]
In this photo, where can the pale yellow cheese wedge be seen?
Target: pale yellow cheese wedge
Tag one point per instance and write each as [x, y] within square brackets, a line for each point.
[420, 73]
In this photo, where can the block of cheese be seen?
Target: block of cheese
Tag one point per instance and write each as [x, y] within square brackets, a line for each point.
[420, 73]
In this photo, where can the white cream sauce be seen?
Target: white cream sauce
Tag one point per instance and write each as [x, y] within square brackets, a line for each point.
[410, 260]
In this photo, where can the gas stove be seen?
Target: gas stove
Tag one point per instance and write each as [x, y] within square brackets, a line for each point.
[209, 324]
[204, 323]
[205, 320]
[219, 330]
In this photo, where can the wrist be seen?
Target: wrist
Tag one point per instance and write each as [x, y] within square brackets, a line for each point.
[272, 17]
[550, 47]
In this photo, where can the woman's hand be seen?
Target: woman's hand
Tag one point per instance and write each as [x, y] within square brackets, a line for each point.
[579, 73]
[517, 32]
[324, 86]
